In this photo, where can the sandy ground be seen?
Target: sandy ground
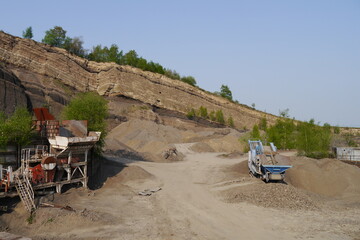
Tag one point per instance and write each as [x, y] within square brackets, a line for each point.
[205, 196]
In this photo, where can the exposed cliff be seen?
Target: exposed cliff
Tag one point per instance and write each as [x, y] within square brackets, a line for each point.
[51, 75]
[12, 93]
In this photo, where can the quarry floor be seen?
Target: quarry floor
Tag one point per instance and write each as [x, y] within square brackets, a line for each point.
[205, 196]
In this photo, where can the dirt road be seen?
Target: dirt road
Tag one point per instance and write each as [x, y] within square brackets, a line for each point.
[192, 204]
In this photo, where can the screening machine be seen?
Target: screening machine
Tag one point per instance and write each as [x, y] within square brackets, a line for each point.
[263, 164]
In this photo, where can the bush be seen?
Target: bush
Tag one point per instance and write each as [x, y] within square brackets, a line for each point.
[191, 114]
[220, 117]
[212, 116]
[313, 140]
[263, 124]
[92, 107]
[255, 133]
[17, 128]
[189, 80]
[282, 133]
[231, 122]
[225, 92]
[203, 112]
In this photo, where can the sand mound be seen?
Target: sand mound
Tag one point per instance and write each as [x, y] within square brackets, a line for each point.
[327, 177]
[201, 147]
[228, 143]
[240, 169]
[129, 173]
[273, 195]
[146, 137]
[152, 141]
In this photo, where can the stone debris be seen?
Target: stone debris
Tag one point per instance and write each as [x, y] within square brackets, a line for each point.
[148, 192]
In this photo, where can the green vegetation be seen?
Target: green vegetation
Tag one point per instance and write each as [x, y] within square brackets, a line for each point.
[75, 46]
[92, 107]
[231, 122]
[255, 133]
[189, 80]
[282, 133]
[191, 114]
[212, 116]
[308, 138]
[313, 140]
[349, 139]
[27, 33]
[220, 117]
[203, 112]
[16, 128]
[217, 116]
[225, 92]
[263, 124]
[55, 37]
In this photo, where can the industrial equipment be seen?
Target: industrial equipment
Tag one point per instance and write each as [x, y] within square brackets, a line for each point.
[263, 164]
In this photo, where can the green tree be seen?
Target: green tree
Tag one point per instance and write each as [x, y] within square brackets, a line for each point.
[92, 107]
[282, 133]
[142, 64]
[172, 74]
[155, 67]
[220, 117]
[105, 54]
[189, 80]
[16, 128]
[55, 37]
[75, 46]
[313, 140]
[20, 126]
[131, 58]
[27, 33]
[225, 92]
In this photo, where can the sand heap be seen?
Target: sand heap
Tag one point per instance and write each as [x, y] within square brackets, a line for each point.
[326, 177]
[308, 185]
[153, 141]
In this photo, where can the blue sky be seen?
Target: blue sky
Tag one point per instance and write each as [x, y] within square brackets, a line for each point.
[301, 55]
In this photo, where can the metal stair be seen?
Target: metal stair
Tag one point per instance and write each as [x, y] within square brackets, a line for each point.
[26, 192]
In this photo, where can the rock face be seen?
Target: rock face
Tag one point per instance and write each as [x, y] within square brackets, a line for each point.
[12, 93]
[51, 75]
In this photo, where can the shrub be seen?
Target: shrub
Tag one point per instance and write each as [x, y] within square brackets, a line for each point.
[17, 128]
[212, 116]
[220, 117]
[203, 112]
[263, 124]
[255, 133]
[231, 122]
[92, 107]
[191, 114]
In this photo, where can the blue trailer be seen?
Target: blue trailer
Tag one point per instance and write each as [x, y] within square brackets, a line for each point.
[263, 164]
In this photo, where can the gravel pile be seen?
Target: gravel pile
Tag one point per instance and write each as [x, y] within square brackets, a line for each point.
[273, 195]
